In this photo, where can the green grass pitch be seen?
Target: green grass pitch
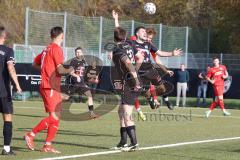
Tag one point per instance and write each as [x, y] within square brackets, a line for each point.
[162, 127]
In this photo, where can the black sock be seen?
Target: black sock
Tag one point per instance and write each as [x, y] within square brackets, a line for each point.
[90, 107]
[7, 133]
[164, 96]
[123, 133]
[131, 131]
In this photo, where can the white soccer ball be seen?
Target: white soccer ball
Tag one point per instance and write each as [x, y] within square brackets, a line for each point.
[150, 8]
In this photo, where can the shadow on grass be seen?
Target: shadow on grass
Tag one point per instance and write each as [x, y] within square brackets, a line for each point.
[58, 142]
[26, 115]
[71, 133]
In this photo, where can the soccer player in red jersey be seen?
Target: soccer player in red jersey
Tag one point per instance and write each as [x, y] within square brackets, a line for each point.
[50, 63]
[216, 76]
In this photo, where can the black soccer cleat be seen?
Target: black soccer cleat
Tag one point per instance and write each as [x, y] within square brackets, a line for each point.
[151, 103]
[10, 153]
[169, 105]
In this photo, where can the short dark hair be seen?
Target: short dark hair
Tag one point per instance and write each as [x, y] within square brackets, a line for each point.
[78, 48]
[56, 31]
[137, 29]
[215, 58]
[119, 34]
[2, 29]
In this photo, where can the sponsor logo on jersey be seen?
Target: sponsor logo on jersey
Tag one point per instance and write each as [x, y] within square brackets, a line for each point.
[2, 53]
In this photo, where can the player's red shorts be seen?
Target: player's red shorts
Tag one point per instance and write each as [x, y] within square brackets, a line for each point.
[218, 90]
[52, 100]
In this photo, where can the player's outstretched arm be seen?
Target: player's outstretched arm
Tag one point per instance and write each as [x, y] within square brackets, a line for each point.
[12, 72]
[115, 17]
[161, 66]
[62, 70]
[175, 52]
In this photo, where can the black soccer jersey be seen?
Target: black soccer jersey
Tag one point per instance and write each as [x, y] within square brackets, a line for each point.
[146, 48]
[6, 55]
[120, 52]
[79, 66]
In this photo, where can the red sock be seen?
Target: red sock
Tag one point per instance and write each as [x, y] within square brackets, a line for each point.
[221, 104]
[213, 105]
[137, 104]
[52, 129]
[153, 92]
[43, 124]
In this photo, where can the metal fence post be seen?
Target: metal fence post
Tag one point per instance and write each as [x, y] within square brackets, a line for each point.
[221, 58]
[160, 37]
[186, 47]
[100, 36]
[65, 32]
[26, 25]
[208, 47]
[132, 27]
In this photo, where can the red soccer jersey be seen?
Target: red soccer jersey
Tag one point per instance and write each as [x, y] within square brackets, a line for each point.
[49, 59]
[217, 73]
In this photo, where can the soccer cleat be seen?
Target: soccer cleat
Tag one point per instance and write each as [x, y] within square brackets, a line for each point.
[93, 115]
[131, 148]
[29, 141]
[151, 103]
[120, 146]
[49, 149]
[142, 116]
[157, 104]
[10, 153]
[226, 113]
[207, 113]
[169, 105]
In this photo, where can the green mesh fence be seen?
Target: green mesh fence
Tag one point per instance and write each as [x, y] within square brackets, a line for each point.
[92, 33]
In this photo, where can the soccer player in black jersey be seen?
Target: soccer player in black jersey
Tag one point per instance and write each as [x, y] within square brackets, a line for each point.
[7, 70]
[77, 79]
[148, 73]
[124, 61]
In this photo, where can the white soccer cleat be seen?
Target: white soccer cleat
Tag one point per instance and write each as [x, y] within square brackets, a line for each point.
[226, 113]
[131, 148]
[207, 113]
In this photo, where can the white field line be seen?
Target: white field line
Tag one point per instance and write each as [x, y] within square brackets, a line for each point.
[144, 148]
[156, 113]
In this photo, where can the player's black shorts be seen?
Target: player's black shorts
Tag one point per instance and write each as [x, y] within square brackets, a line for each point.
[150, 76]
[80, 88]
[6, 105]
[129, 95]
